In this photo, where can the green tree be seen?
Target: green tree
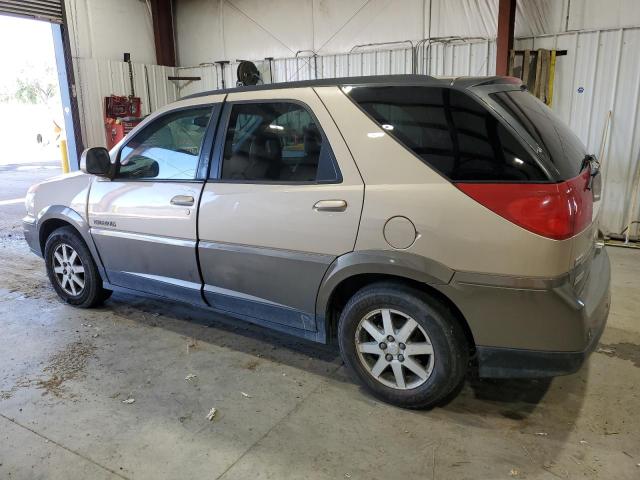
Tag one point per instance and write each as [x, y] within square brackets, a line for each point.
[41, 89]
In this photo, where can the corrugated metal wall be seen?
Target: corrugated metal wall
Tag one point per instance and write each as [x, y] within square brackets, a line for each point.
[600, 73]
[96, 79]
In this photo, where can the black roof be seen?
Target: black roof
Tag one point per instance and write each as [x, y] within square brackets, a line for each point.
[377, 80]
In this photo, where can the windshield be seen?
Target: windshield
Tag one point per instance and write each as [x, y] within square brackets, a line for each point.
[563, 147]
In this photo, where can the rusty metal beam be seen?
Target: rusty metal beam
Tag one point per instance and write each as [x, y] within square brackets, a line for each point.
[162, 19]
[504, 43]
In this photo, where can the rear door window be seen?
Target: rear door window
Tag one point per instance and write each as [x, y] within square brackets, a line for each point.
[277, 142]
[562, 147]
[451, 132]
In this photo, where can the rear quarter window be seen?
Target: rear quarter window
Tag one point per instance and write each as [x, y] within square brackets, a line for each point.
[451, 132]
[559, 144]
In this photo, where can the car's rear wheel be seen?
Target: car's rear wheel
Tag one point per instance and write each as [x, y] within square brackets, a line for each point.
[404, 345]
[72, 270]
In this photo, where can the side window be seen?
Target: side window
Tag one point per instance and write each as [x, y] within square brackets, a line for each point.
[276, 142]
[449, 131]
[167, 149]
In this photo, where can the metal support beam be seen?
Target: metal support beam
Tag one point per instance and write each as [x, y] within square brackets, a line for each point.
[68, 91]
[162, 19]
[504, 42]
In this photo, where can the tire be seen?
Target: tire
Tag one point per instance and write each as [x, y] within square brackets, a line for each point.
[82, 286]
[436, 329]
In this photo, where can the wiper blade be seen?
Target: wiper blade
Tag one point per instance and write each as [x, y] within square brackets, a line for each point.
[592, 162]
[588, 161]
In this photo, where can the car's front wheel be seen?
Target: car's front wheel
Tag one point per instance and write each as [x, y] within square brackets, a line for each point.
[404, 345]
[72, 270]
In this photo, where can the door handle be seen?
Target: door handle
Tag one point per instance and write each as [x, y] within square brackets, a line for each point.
[183, 200]
[330, 206]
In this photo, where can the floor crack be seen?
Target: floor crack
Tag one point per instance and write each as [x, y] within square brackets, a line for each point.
[49, 440]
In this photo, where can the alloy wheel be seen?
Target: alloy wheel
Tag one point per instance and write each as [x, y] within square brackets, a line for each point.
[394, 349]
[68, 269]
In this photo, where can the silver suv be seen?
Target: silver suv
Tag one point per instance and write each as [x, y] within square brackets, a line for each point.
[428, 225]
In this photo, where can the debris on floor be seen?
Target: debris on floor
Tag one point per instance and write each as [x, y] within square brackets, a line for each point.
[606, 351]
[190, 377]
[245, 395]
[129, 401]
[192, 345]
[514, 472]
[68, 364]
[542, 434]
[211, 414]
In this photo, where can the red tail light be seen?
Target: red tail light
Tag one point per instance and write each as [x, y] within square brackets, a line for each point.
[553, 210]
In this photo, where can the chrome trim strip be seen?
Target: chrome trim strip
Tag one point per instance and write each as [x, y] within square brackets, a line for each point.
[173, 281]
[271, 252]
[243, 296]
[507, 281]
[180, 242]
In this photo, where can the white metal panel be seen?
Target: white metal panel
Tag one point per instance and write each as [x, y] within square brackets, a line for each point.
[210, 30]
[600, 73]
[107, 29]
[97, 79]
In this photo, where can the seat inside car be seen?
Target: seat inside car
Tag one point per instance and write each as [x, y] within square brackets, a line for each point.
[262, 163]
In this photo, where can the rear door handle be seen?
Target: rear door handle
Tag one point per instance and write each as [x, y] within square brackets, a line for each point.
[330, 206]
[183, 200]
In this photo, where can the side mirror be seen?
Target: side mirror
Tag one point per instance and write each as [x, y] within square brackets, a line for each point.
[96, 161]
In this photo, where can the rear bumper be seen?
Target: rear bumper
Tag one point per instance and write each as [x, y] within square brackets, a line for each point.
[497, 362]
[30, 230]
[535, 327]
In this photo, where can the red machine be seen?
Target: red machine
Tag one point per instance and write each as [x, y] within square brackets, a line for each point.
[121, 114]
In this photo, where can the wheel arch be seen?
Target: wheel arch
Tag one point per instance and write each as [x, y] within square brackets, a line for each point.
[351, 272]
[57, 216]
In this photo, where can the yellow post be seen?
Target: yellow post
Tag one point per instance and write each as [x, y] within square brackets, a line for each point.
[64, 157]
[552, 76]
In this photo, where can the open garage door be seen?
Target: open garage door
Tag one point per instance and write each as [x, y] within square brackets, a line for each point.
[50, 10]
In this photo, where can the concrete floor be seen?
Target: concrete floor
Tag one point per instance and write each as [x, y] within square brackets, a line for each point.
[286, 409]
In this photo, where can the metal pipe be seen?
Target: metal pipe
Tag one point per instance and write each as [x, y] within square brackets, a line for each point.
[572, 32]
[377, 44]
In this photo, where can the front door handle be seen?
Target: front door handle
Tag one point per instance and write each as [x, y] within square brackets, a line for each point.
[330, 206]
[182, 200]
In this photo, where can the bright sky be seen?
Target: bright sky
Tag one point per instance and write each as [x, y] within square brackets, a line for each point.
[26, 45]
[23, 43]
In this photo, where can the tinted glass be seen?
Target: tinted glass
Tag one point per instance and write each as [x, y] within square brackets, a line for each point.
[563, 147]
[167, 149]
[451, 132]
[278, 142]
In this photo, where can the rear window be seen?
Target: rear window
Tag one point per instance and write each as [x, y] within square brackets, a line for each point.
[562, 147]
[451, 132]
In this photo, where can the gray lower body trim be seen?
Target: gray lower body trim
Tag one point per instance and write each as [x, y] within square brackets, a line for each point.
[560, 314]
[159, 265]
[279, 286]
[496, 362]
[30, 230]
[159, 286]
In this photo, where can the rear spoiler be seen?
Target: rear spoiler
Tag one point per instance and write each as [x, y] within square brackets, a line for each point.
[468, 82]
